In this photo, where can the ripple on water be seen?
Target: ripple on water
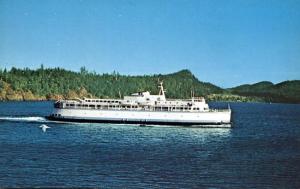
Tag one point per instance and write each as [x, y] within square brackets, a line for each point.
[261, 151]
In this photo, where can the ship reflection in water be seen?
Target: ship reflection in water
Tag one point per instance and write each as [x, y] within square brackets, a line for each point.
[153, 134]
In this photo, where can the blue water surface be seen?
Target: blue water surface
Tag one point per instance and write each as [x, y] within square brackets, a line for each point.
[262, 150]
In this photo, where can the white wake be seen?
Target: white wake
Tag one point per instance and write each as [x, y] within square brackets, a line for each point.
[24, 119]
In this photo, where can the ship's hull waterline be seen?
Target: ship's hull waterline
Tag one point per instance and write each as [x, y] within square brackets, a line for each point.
[201, 119]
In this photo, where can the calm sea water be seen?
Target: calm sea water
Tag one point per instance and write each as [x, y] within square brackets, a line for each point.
[261, 151]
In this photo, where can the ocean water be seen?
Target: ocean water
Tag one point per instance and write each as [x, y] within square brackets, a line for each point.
[262, 150]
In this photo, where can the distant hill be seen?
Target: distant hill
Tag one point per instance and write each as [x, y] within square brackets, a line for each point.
[181, 83]
[58, 83]
[287, 91]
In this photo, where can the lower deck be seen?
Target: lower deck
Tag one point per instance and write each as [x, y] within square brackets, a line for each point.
[144, 122]
[142, 117]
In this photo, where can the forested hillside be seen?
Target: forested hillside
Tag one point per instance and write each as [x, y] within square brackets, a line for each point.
[18, 84]
[287, 91]
[58, 83]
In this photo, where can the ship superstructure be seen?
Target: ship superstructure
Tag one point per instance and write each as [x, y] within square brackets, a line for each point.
[142, 108]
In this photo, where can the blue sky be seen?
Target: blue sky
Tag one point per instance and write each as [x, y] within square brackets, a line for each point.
[227, 43]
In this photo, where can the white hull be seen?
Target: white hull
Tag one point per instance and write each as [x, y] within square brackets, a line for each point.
[144, 117]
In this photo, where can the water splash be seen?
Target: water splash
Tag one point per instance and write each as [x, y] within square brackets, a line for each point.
[24, 119]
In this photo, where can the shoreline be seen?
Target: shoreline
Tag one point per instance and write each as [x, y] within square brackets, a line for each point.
[249, 102]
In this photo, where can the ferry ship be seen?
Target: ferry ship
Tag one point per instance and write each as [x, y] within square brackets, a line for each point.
[144, 109]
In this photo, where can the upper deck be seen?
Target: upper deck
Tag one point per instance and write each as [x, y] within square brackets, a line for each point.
[118, 104]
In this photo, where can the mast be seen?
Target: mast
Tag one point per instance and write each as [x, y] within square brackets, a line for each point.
[161, 89]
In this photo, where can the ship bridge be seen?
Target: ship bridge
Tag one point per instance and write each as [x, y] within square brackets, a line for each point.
[145, 98]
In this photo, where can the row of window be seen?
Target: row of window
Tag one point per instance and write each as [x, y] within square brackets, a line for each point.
[176, 108]
[105, 101]
[133, 107]
[56, 115]
[99, 106]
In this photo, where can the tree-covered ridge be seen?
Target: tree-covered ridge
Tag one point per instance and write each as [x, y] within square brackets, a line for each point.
[287, 91]
[53, 83]
[58, 83]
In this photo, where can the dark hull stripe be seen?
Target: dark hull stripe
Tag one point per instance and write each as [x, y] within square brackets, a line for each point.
[216, 124]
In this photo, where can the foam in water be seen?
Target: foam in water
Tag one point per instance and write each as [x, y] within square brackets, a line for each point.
[29, 119]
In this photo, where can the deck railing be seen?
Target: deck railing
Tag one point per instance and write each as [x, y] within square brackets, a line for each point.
[145, 108]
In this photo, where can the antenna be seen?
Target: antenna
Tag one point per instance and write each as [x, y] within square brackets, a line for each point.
[120, 94]
[192, 93]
